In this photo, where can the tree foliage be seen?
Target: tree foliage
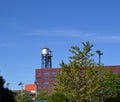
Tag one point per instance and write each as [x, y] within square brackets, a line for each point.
[57, 97]
[6, 95]
[42, 95]
[81, 80]
[23, 97]
[113, 88]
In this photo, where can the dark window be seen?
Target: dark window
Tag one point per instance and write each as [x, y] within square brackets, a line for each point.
[115, 71]
[38, 78]
[118, 71]
[38, 74]
[53, 78]
[46, 73]
[46, 82]
[54, 73]
[45, 78]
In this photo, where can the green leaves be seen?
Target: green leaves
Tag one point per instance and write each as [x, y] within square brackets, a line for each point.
[24, 98]
[57, 97]
[73, 79]
[81, 79]
[42, 95]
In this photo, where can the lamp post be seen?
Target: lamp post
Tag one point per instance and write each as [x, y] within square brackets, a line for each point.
[36, 83]
[22, 92]
[99, 53]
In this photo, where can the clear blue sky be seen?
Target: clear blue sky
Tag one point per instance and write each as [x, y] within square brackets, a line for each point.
[26, 26]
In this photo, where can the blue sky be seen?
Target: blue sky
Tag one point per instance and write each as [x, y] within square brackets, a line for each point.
[26, 26]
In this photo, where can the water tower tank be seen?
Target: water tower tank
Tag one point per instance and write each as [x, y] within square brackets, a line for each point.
[46, 60]
[45, 51]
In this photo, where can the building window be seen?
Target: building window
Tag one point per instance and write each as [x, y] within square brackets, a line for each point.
[46, 73]
[38, 74]
[53, 78]
[38, 83]
[114, 71]
[39, 88]
[38, 78]
[54, 73]
[118, 71]
[45, 78]
[46, 82]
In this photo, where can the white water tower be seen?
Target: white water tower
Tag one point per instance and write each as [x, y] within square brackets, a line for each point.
[46, 61]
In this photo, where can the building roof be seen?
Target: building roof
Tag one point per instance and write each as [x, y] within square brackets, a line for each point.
[30, 87]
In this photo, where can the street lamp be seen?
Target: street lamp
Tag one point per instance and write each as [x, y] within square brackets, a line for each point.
[99, 53]
[36, 88]
[22, 92]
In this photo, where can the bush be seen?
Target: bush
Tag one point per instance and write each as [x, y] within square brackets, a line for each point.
[57, 97]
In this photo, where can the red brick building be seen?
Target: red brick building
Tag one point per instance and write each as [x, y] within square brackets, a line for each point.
[115, 69]
[45, 79]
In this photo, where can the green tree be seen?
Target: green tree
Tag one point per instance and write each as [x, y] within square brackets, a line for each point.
[42, 95]
[83, 80]
[6, 95]
[113, 87]
[24, 98]
[108, 82]
[57, 97]
[74, 78]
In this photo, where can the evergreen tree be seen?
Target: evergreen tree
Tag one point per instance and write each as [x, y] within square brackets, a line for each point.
[82, 80]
